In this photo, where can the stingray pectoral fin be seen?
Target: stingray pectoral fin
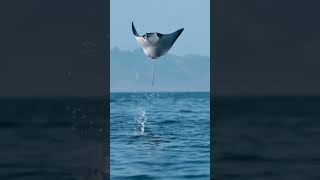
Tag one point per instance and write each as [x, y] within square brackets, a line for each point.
[141, 41]
[139, 38]
[167, 41]
[134, 30]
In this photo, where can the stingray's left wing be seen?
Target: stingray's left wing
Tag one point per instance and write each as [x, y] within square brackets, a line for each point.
[135, 33]
[139, 38]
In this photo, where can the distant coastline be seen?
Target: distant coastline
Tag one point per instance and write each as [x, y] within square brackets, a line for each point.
[130, 71]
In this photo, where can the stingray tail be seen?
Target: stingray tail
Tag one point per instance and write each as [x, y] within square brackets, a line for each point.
[154, 68]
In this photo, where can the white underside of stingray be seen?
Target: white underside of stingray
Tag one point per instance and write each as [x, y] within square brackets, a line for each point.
[156, 44]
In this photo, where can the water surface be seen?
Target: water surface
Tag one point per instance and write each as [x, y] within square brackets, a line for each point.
[160, 136]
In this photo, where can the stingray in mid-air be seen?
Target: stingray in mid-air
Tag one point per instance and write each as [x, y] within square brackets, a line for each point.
[156, 44]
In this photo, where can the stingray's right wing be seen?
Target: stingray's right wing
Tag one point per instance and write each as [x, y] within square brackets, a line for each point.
[139, 38]
[167, 41]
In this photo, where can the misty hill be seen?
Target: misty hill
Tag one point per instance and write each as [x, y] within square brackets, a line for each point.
[132, 71]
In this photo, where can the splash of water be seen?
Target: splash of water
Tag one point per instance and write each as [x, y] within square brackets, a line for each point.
[141, 118]
[144, 102]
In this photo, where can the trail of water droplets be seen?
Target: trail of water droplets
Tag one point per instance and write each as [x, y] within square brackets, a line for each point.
[143, 102]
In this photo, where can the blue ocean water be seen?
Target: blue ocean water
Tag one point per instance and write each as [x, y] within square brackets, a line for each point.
[50, 138]
[255, 137]
[160, 136]
[271, 137]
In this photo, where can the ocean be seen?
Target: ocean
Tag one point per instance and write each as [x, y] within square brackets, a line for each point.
[160, 136]
[271, 137]
[51, 138]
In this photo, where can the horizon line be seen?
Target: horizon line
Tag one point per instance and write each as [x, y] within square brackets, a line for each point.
[205, 91]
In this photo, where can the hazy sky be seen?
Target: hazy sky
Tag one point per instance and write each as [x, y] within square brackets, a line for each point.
[164, 16]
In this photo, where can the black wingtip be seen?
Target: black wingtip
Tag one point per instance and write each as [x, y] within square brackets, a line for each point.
[134, 29]
[180, 31]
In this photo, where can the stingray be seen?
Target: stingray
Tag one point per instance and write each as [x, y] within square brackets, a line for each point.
[156, 44]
